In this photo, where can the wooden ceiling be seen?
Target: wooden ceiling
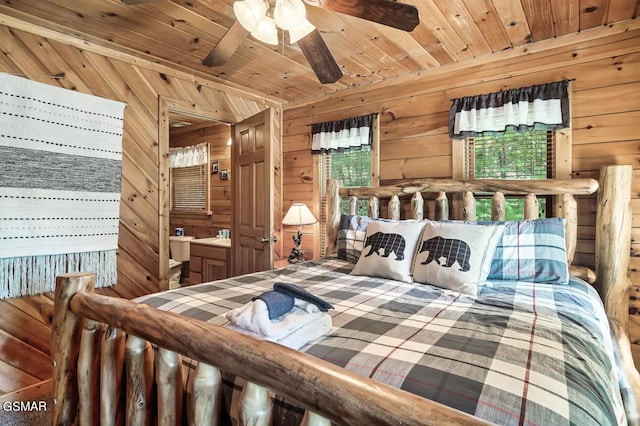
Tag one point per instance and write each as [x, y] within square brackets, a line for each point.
[182, 32]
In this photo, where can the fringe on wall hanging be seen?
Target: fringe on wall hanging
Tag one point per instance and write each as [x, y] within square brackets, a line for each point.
[60, 179]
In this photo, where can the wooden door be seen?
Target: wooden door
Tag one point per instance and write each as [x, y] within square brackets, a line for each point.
[253, 194]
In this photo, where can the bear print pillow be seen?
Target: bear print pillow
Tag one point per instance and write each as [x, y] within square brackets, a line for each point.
[456, 256]
[388, 250]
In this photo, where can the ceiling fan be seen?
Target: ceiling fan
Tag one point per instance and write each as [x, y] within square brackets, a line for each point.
[260, 19]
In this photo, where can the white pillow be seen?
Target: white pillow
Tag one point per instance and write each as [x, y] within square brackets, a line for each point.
[456, 256]
[389, 249]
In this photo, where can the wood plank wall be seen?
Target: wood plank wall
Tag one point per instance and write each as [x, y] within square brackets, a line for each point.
[25, 333]
[605, 64]
[217, 136]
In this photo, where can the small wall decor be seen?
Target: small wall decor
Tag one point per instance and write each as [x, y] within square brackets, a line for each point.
[215, 166]
[224, 174]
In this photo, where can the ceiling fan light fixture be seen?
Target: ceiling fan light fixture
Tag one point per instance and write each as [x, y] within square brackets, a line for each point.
[266, 31]
[249, 13]
[289, 13]
[299, 31]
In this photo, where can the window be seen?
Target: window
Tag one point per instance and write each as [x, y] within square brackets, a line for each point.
[511, 155]
[189, 178]
[355, 166]
[189, 188]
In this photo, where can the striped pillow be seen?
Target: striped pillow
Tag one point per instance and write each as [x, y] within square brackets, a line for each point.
[532, 250]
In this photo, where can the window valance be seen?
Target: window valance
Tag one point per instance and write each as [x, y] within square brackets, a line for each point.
[543, 105]
[188, 156]
[342, 135]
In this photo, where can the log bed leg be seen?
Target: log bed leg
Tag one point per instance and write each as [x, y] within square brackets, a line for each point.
[312, 419]
[205, 392]
[169, 382]
[256, 407]
[89, 373]
[67, 330]
[111, 378]
[139, 363]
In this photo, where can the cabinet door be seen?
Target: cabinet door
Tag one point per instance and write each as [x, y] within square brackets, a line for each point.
[214, 269]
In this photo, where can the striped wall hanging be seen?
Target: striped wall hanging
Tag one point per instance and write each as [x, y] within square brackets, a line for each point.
[60, 176]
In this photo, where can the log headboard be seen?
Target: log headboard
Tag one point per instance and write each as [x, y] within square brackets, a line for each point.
[463, 203]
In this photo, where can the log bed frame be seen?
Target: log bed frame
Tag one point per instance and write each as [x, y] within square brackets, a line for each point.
[91, 351]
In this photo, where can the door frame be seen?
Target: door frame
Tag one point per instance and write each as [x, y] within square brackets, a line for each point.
[166, 106]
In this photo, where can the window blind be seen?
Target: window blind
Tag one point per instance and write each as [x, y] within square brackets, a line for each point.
[189, 187]
[511, 155]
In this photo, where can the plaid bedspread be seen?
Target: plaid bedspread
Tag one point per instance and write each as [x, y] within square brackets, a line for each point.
[519, 353]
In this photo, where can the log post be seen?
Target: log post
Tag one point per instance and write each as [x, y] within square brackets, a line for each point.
[353, 205]
[531, 210]
[139, 363]
[256, 408]
[89, 373]
[67, 331]
[417, 206]
[170, 387]
[333, 215]
[394, 208]
[469, 211]
[112, 378]
[570, 213]
[498, 210]
[205, 393]
[312, 419]
[613, 241]
[374, 207]
[441, 207]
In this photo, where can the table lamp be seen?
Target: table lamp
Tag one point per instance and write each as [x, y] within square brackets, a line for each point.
[298, 214]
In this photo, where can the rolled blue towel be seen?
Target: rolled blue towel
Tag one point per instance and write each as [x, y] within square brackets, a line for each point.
[277, 303]
[300, 293]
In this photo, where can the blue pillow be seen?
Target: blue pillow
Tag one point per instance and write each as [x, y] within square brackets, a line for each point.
[532, 250]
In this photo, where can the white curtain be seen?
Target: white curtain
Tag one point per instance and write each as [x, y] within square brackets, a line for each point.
[189, 156]
[342, 135]
[539, 106]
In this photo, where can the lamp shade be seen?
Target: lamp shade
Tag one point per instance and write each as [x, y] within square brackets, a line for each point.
[266, 31]
[289, 13]
[299, 31]
[249, 13]
[299, 214]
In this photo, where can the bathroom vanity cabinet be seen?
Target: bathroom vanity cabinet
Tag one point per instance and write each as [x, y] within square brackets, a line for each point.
[210, 260]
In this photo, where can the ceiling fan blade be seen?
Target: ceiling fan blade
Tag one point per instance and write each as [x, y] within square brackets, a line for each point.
[386, 12]
[320, 57]
[227, 45]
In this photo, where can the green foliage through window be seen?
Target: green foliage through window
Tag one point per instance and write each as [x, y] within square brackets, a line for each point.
[510, 155]
[354, 168]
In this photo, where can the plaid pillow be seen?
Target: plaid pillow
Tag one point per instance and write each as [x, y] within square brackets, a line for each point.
[351, 235]
[532, 250]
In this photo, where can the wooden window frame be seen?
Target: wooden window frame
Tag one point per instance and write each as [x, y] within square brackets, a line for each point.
[320, 172]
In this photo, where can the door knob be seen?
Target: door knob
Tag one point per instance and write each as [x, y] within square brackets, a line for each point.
[269, 240]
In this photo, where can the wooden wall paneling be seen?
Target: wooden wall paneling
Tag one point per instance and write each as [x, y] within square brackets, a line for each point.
[24, 357]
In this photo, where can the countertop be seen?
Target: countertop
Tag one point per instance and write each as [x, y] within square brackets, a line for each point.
[213, 241]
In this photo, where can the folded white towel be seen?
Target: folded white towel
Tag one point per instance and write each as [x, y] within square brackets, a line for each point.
[299, 337]
[254, 317]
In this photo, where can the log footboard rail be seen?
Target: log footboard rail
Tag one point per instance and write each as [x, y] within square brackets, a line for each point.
[89, 358]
